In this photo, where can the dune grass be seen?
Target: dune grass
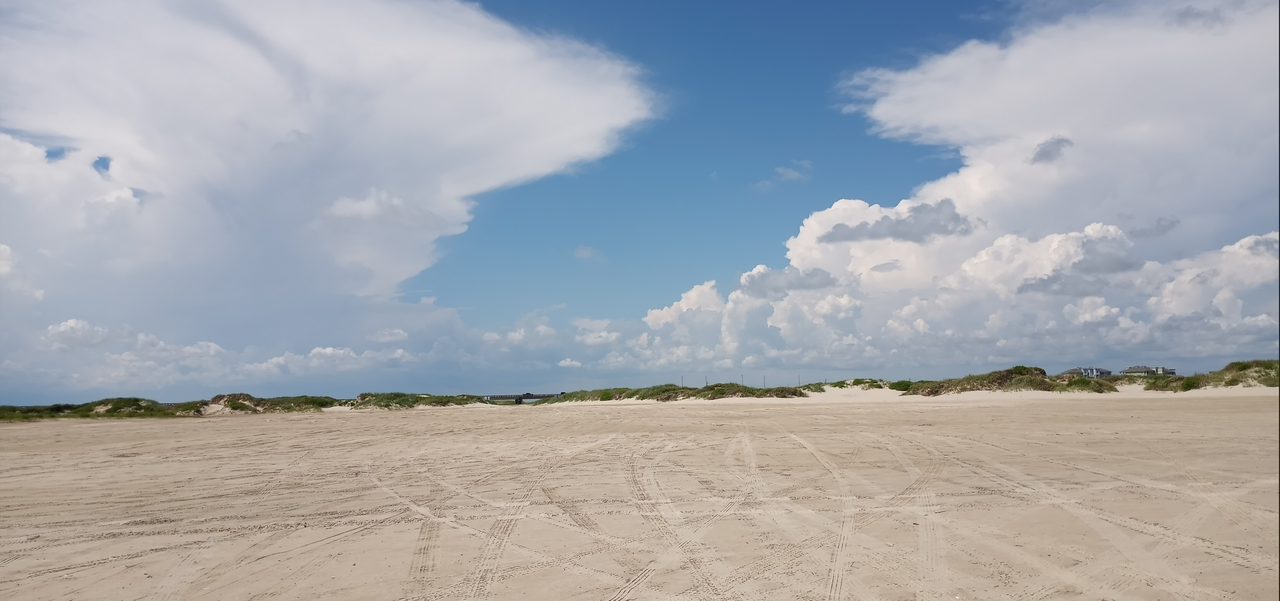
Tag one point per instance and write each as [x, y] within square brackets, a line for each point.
[409, 400]
[1016, 378]
[105, 408]
[1255, 373]
[675, 392]
[248, 403]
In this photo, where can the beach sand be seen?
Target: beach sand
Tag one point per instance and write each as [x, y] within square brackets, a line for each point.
[844, 495]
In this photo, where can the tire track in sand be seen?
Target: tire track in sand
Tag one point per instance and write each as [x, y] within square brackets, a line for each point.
[248, 555]
[932, 574]
[1111, 527]
[424, 555]
[654, 505]
[500, 533]
[850, 521]
[1261, 521]
[180, 576]
[1229, 508]
[778, 513]
[787, 555]
[585, 522]
[458, 589]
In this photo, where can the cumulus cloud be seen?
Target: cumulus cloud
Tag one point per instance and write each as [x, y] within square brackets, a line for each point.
[75, 333]
[1136, 93]
[370, 127]
[279, 161]
[1050, 150]
[594, 332]
[1089, 310]
[1013, 264]
[920, 222]
[567, 362]
[763, 282]
[1139, 110]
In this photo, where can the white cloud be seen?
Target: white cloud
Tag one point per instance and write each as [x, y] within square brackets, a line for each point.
[287, 112]
[1105, 99]
[594, 332]
[75, 333]
[567, 362]
[324, 360]
[248, 155]
[1090, 309]
[1072, 264]
[1210, 284]
[1114, 113]
[702, 297]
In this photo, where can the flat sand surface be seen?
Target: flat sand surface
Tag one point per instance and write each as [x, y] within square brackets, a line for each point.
[847, 495]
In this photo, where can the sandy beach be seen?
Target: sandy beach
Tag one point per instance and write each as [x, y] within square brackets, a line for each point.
[844, 495]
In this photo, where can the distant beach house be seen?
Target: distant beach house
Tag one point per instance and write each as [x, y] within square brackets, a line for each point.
[1142, 370]
[1087, 372]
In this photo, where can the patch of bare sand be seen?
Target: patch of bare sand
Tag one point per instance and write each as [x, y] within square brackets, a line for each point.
[847, 495]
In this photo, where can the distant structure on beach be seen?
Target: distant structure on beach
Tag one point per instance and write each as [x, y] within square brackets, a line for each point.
[1142, 370]
[1087, 372]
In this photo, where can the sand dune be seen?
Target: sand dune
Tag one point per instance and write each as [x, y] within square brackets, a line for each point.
[845, 495]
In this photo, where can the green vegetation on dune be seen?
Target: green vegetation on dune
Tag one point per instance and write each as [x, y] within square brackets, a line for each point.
[248, 403]
[1262, 372]
[408, 400]
[238, 402]
[675, 392]
[1016, 378]
[117, 407]
[1259, 372]
[731, 390]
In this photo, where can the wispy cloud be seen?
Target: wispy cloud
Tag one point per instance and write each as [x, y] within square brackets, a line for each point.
[586, 253]
[795, 171]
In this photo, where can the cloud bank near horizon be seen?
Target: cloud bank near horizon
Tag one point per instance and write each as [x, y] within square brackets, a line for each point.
[1117, 198]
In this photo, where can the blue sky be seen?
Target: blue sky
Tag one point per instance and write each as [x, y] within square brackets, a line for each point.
[744, 89]
[331, 198]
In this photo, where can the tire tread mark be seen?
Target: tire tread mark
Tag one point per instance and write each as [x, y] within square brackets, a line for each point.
[641, 485]
[1237, 556]
[424, 559]
[495, 543]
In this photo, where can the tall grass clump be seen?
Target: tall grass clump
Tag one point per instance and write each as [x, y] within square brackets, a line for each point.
[409, 400]
[1016, 378]
[1256, 373]
[675, 392]
[105, 408]
[247, 403]
[996, 380]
